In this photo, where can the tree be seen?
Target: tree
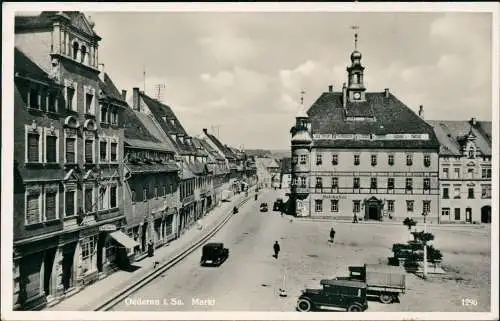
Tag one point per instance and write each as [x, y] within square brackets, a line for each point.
[409, 222]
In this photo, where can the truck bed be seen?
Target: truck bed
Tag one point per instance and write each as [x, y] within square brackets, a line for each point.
[380, 277]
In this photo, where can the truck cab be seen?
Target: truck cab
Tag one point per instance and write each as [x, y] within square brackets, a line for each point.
[336, 295]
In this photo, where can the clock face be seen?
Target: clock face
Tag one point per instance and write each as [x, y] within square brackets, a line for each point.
[357, 95]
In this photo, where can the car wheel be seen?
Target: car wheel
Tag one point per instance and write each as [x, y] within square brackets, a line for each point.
[304, 305]
[354, 308]
[386, 298]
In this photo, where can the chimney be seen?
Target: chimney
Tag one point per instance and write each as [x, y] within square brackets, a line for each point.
[330, 88]
[386, 91]
[473, 121]
[124, 94]
[205, 131]
[135, 98]
[421, 111]
[344, 95]
[101, 72]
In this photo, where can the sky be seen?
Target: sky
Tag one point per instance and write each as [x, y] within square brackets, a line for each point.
[243, 72]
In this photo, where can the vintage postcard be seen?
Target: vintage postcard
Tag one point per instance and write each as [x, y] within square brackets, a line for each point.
[250, 161]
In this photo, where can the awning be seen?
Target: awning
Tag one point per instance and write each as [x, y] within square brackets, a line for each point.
[123, 239]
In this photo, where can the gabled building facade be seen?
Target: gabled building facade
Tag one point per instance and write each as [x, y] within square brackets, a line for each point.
[286, 173]
[68, 196]
[363, 154]
[464, 170]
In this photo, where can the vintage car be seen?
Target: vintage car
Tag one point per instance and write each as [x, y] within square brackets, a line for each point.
[213, 254]
[337, 295]
[278, 205]
[263, 207]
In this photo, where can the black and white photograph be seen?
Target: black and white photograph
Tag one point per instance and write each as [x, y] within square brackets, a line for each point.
[250, 161]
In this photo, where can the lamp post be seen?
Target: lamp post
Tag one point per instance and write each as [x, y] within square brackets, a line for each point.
[425, 213]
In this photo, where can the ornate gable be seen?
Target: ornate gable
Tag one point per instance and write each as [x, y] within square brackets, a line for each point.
[80, 22]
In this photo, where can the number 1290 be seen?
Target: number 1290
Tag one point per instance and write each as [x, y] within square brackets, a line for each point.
[469, 302]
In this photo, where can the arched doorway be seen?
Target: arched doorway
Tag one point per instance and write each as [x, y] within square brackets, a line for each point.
[373, 209]
[486, 214]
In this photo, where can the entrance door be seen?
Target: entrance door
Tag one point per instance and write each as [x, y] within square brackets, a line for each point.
[373, 213]
[100, 246]
[468, 215]
[49, 258]
[67, 266]
[486, 214]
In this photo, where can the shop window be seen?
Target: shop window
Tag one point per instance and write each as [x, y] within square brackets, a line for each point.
[89, 254]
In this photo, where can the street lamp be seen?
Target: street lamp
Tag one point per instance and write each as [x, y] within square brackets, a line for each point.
[425, 213]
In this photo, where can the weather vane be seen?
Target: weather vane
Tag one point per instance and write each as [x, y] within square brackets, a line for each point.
[355, 28]
[302, 92]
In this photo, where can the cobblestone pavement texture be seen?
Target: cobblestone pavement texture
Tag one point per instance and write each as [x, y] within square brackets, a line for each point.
[251, 278]
[92, 295]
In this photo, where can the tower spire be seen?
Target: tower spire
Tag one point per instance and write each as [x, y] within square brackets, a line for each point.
[355, 28]
[302, 92]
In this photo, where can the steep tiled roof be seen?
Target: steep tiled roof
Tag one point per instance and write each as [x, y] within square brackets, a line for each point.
[134, 127]
[144, 144]
[210, 149]
[110, 90]
[220, 146]
[200, 149]
[25, 66]
[451, 133]
[391, 116]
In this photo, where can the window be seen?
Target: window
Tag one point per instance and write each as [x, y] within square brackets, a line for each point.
[51, 102]
[70, 150]
[427, 160]
[294, 181]
[335, 159]
[427, 184]
[103, 151]
[486, 173]
[33, 208]
[390, 206]
[470, 173]
[409, 159]
[51, 205]
[144, 194]
[471, 153]
[471, 193]
[70, 95]
[104, 114]
[114, 117]
[113, 197]
[410, 206]
[356, 160]
[373, 183]
[89, 151]
[457, 214]
[374, 160]
[456, 193]
[409, 184]
[51, 149]
[89, 253]
[355, 182]
[303, 182]
[88, 200]
[34, 98]
[83, 51]
[426, 205]
[75, 50]
[457, 172]
[390, 183]
[445, 172]
[69, 203]
[356, 206]
[318, 206]
[446, 193]
[335, 182]
[102, 195]
[319, 182]
[445, 211]
[390, 159]
[334, 205]
[156, 191]
[134, 196]
[486, 191]
[303, 159]
[89, 103]
[33, 148]
[319, 159]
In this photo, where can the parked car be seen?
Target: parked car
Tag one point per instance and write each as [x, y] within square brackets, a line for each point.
[214, 254]
[263, 207]
[337, 295]
[383, 281]
[278, 205]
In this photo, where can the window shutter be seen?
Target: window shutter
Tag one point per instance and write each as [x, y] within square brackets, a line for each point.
[50, 206]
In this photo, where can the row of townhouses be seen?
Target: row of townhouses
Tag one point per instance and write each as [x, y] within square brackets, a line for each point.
[368, 155]
[98, 176]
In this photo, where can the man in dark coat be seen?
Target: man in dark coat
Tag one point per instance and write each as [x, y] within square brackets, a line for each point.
[332, 235]
[276, 248]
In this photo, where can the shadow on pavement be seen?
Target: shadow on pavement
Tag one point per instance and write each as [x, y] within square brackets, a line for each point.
[131, 268]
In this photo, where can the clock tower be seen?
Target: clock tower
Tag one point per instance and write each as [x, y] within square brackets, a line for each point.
[355, 88]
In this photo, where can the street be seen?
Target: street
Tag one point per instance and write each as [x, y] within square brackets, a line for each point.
[251, 278]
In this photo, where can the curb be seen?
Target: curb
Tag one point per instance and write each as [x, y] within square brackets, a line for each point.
[165, 266]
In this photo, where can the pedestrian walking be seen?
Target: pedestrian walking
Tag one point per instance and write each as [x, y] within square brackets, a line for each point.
[332, 235]
[276, 248]
[151, 248]
[355, 219]
[255, 196]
